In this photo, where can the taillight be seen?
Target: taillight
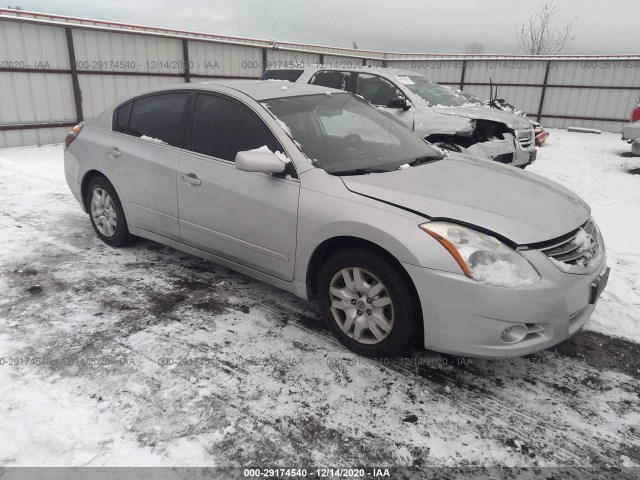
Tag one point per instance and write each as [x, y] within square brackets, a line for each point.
[635, 116]
[71, 136]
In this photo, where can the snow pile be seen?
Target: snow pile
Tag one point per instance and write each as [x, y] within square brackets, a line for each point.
[151, 139]
[264, 149]
[583, 265]
[404, 166]
[501, 274]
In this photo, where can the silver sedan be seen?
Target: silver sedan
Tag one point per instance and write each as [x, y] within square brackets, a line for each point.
[316, 192]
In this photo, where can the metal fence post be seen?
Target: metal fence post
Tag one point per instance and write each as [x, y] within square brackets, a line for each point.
[185, 59]
[464, 70]
[77, 93]
[544, 90]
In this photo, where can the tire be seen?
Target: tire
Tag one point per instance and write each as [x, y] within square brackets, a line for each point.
[106, 213]
[393, 303]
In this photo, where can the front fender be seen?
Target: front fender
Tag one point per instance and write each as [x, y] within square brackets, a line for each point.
[323, 216]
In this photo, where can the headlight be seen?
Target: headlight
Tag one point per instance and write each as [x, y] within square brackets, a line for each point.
[483, 257]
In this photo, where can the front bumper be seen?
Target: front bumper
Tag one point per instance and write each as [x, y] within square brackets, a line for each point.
[631, 131]
[507, 151]
[464, 317]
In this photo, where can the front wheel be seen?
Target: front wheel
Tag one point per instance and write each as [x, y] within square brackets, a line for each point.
[107, 215]
[367, 303]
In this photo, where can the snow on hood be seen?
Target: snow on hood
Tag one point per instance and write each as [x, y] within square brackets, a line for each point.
[520, 206]
[511, 120]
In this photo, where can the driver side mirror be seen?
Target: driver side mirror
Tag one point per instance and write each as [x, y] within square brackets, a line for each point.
[263, 162]
[399, 102]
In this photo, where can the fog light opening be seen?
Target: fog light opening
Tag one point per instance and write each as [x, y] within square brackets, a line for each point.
[514, 333]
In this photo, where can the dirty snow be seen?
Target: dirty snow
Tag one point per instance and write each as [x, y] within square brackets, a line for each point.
[148, 356]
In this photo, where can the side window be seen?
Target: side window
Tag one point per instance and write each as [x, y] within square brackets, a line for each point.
[376, 89]
[339, 80]
[121, 118]
[159, 117]
[223, 127]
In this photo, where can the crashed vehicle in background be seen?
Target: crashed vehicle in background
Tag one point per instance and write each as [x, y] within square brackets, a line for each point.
[431, 110]
[540, 133]
[631, 132]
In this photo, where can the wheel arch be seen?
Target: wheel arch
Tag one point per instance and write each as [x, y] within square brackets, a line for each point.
[86, 180]
[334, 244]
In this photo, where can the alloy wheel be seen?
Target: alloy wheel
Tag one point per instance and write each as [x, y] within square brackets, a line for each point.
[103, 212]
[361, 305]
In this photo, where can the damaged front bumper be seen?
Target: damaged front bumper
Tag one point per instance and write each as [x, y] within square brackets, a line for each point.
[508, 151]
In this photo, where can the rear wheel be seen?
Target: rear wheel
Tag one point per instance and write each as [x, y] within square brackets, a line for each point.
[367, 303]
[107, 215]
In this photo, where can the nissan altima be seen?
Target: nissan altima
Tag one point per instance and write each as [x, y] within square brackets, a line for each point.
[316, 192]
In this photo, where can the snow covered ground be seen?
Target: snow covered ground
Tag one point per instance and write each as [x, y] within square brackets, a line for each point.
[146, 356]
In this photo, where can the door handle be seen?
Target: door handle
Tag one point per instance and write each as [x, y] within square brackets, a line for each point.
[113, 151]
[191, 179]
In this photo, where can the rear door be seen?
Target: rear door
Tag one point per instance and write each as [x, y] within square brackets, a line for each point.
[144, 150]
[245, 217]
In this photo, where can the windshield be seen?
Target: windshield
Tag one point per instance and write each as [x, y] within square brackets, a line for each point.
[431, 92]
[344, 135]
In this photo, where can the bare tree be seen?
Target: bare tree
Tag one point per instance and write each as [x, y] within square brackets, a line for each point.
[542, 35]
[17, 7]
[474, 48]
[355, 46]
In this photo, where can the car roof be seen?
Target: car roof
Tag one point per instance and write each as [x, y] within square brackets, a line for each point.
[383, 71]
[259, 90]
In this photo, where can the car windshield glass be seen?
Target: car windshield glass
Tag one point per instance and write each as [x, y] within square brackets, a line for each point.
[431, 92]
[344, 135]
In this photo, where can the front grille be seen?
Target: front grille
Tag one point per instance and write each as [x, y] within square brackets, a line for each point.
[577, 249]
[526, 139]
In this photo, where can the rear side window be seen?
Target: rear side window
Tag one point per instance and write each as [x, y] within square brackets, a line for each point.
[338, 80]
[288, 74]
[159, 117]
[121, 118]
[223, 127]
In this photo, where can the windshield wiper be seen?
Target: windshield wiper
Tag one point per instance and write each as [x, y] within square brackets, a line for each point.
[425, 159]
[359, 171]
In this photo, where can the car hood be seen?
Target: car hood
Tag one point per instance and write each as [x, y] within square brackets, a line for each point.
[519, 206]
[511, 120]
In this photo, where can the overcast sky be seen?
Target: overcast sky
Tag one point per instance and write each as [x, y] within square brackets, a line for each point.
[433, 26]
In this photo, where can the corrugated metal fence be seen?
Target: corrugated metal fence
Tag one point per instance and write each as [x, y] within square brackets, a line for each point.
[57, 70]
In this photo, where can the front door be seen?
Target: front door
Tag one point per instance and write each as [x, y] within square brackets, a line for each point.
[380, 91]
[245, 217]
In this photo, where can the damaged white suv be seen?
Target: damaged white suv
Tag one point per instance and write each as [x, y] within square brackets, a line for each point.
[431, 110]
